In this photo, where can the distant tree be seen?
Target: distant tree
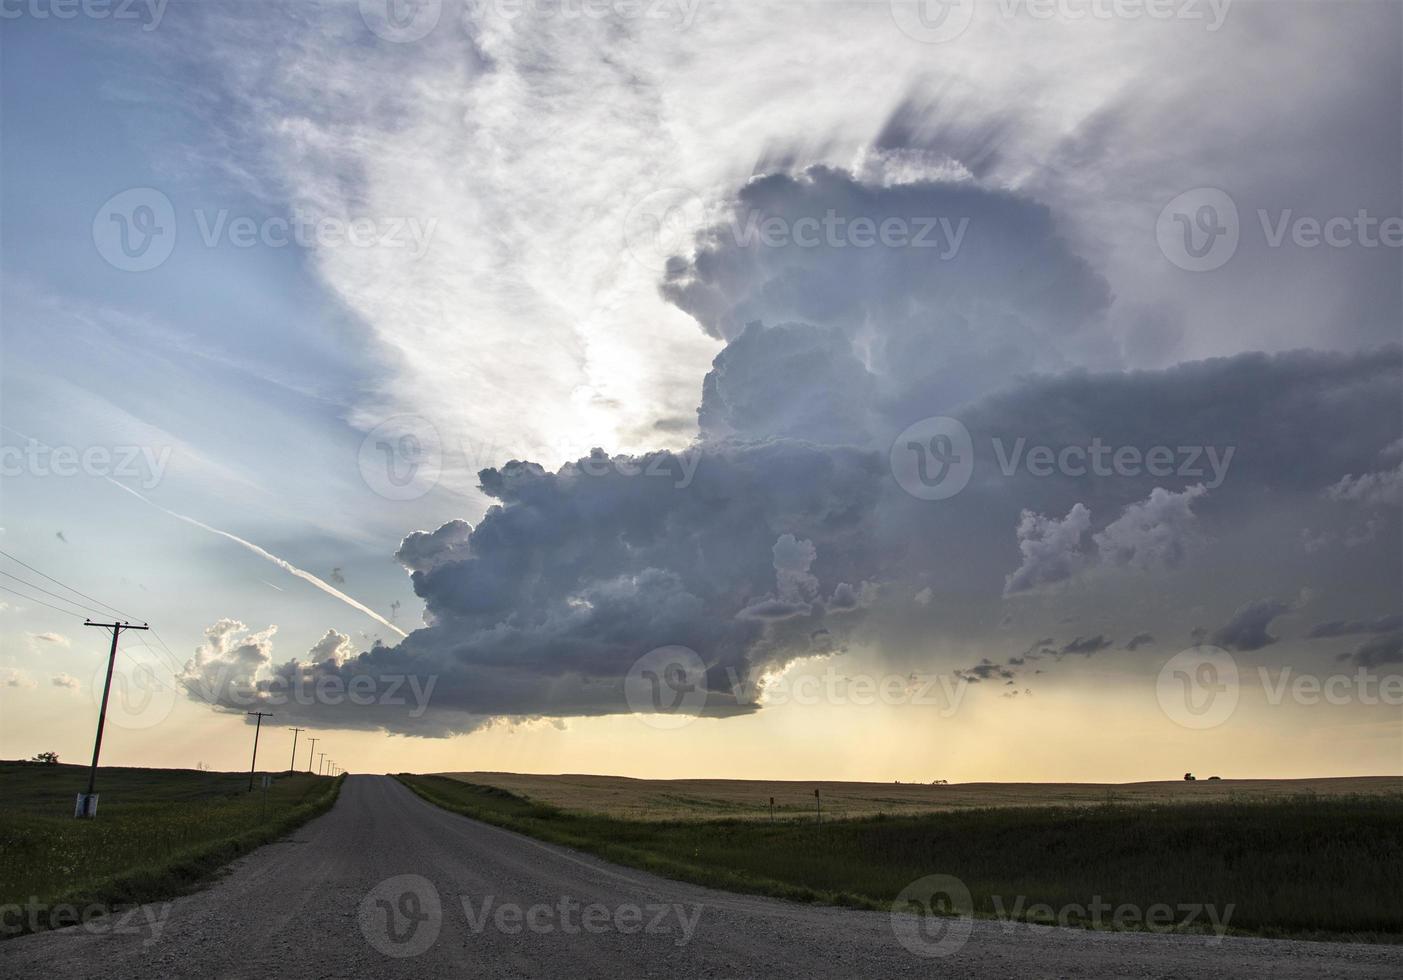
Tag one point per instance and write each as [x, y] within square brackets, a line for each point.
[48, 758]
[1189, 777]
[1211, 778]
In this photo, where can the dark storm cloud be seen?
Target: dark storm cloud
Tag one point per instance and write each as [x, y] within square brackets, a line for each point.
[1379, 651]
[791, 537]
[1340, 627]
[1087, 645]
[1139, 640]
[1247, 630]
[947, 313]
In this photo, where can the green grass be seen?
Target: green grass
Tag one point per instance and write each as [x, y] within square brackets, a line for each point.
[158, 832]
[1316, 868]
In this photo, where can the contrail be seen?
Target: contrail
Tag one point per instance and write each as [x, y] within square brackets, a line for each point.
[286, 566]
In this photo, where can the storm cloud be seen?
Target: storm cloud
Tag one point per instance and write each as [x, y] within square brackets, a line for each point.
[781, 532]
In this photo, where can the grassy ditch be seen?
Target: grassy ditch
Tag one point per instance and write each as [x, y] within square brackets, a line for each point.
[158, 833]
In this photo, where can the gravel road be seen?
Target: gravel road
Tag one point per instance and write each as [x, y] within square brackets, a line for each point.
[386, 885]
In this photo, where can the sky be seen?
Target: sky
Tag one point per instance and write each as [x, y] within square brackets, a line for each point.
[874, 390]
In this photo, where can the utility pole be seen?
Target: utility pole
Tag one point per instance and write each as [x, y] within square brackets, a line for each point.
[87, 803]
[258, 726]
[320, 757]
[312, 753]
[293, 764]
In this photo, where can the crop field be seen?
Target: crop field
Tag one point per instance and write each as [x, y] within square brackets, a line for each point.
[1315, 866]
[743, 799]
[157, 832]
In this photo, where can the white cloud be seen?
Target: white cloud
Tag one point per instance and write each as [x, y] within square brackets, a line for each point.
[11, 677]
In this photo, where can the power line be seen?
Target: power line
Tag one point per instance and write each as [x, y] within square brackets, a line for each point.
[176, 673]
[54, 595]
[69, 587]
[70, 612]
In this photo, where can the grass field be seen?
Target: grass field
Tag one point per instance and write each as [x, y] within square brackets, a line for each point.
[744, 799]
[158, 832]
[1308, 866]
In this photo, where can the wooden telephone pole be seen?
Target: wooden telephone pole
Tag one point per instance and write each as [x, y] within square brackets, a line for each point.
[293, 765]
[87, 802]
[258, 726]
